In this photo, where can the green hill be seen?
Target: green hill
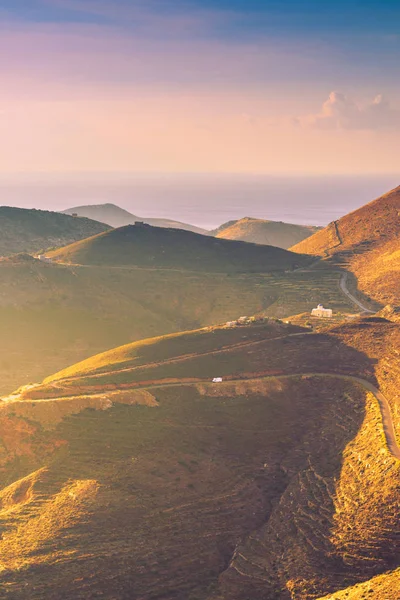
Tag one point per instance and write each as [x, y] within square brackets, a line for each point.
[118, 217]
[31, 230]
[259, 231]
[134, 475]
[146, 246]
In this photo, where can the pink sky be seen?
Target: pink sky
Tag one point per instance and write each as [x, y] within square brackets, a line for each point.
[96, 98]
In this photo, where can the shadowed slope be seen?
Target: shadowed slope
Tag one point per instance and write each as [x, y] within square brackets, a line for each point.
[366, 241]
[145, 246]
[52, 316]
[26, 230]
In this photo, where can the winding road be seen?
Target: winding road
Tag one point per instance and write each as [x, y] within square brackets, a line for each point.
[344, 289]
[387, 421]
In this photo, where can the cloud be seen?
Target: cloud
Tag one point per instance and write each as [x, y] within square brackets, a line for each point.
[341, 112]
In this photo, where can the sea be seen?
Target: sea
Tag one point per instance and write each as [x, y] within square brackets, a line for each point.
[205, 200]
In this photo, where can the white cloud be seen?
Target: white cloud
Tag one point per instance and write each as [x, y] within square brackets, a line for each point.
[341, 112]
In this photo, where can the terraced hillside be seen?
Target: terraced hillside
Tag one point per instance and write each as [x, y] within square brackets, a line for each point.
[114, 215]
[133, 475]
[52, 315]
[366, 242]
[259, 231]
[145, 246]
[26, 230]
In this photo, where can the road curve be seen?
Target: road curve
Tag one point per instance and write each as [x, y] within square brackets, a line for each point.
[387, 421]
[343, 287]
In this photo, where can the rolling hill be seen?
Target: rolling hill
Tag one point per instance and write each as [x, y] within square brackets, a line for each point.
[31, 230]
[54, 315]
[146, 247]
[133, 475]
[258, 231]
[113, 215]
[366, 242]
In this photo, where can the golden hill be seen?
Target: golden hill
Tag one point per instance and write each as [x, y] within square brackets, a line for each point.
[133, 475]
[30, 230]
[366, 242]
[146, 246]
[259, 231]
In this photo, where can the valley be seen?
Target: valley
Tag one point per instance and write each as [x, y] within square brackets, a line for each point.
[196, 459]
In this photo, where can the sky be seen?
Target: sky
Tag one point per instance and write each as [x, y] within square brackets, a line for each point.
[200, 86]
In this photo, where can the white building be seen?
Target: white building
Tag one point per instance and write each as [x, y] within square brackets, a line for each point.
[217, 380]
[231, 324]
[44, 258]
[242, 320]
[321, 312]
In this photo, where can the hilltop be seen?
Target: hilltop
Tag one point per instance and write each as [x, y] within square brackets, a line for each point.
[258, 231]
[133, 475]
[31, 230]
[146, 246]
[366, 242]
[114, 215]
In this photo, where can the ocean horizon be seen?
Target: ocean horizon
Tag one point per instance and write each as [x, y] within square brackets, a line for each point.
[203, 200]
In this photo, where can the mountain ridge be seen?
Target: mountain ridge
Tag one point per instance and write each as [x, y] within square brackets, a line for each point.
[115, 216]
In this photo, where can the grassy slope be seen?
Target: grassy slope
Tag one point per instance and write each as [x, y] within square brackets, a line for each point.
[52, 316]
[118, 217]
[368, 245]
[176, 249]
[156, 499]
[25, 230]
[258, 231]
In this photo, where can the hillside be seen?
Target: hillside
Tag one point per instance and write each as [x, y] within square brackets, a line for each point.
[258, 231]
[275, 484]
[366, 242]
[146, 246]
[382, 587]
[31, 230]
[54, 315]
[114, 215]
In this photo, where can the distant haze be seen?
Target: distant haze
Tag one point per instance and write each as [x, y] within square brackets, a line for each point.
[203, 200]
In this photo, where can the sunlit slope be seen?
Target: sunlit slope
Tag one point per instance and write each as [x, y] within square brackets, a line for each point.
[189, 345]
[52, 316]
[26, 230]
[118, 217]
[259, 231]
[382, 587]
[148, 247]
[367, 241]
[272, 485]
